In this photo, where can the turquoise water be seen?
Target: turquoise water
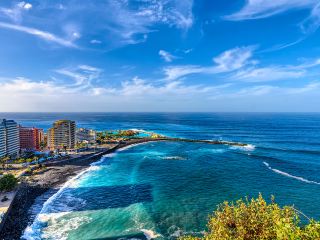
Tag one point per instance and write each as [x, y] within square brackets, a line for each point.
[166, 189]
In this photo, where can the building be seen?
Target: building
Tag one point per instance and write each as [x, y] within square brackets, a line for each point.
[2, 140]
[30, 138]
[86, 135]
[9, 138]
[62, 135]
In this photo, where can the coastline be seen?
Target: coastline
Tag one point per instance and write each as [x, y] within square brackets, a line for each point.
[56, 175]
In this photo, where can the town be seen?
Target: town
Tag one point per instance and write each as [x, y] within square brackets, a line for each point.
[33, 161]
[29, 145]
[22, 146]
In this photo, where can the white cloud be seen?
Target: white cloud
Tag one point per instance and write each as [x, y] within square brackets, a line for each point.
[131, 23]
[252, 92]
[233, 59]
[137, 94]
[25, 5]
[118, 22]
[267, 74]
[274, 73]
[95, 41]
[227, 61]
[186, 51]
[240, 65]
[40, 34]
[175, 72]
[255, 9]
[83, 76]
[16, 11]
[166, 56]
[312, 23]
[54, 95]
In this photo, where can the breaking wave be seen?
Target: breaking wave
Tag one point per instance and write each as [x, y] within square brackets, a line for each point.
[248, 147]
[289, 175]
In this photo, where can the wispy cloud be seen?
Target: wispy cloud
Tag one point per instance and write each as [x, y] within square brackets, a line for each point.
[255, 9]
[262, 90]
[38, 33]
[239, 64]
[116, 22]
[311, 23]
[234, 59]
[227, 61]
[166, 56]
[136, 94]
[16, 11]
[267, 74]
[274, 73]
[83, 76]
[95, 41]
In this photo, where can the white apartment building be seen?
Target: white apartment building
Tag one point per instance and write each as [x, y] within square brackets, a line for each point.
[2, 140]
[9, 138]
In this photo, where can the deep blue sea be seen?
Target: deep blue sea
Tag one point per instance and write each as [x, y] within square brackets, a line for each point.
[165, 189]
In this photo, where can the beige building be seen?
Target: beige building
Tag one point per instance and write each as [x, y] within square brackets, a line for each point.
[62, 135]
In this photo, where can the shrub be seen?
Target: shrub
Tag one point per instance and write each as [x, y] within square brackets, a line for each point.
[255, 219]
[8, 182]
[29, 171]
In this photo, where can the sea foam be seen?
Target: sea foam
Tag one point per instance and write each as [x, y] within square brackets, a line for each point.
[248, 147]
[33, 232]
[289, 175]
[150, 234]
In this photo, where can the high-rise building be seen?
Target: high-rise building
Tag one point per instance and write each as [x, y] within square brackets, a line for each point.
[9, 138]
[2, 140]
[30, 138]
[62, 135]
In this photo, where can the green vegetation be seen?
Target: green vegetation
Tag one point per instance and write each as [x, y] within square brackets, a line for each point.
[80, 145]
[26, 159]
[155, 135]
[8, 182]
[43, 145]
[255, 219]
[4, 161]
[107, 136]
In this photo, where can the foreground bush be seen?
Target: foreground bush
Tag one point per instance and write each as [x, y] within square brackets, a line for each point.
[255, 219]
[8, 182]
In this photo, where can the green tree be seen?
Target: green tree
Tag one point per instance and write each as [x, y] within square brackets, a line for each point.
[255, 219]
[4, 161]
[8, 182]
[43, 145]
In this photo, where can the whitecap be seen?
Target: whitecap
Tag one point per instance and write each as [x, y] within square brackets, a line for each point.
[247, 147]
[150, 234]
[130, 146]
[109, 155]
[33, 232]
[60, 229]
[289, 175]
[138, 130]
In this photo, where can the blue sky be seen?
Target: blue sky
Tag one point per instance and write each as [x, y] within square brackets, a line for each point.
[160, 55]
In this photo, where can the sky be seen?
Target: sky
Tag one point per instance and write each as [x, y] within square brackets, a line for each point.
[160, 56]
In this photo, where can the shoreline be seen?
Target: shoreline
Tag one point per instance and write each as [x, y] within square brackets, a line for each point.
[56, 175]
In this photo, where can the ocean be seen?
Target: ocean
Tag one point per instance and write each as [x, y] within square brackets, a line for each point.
[166, 189]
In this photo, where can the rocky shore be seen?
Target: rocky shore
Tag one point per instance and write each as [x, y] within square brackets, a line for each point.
[54, 176]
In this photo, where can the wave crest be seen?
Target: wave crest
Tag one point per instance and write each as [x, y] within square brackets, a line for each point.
[289, 175]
